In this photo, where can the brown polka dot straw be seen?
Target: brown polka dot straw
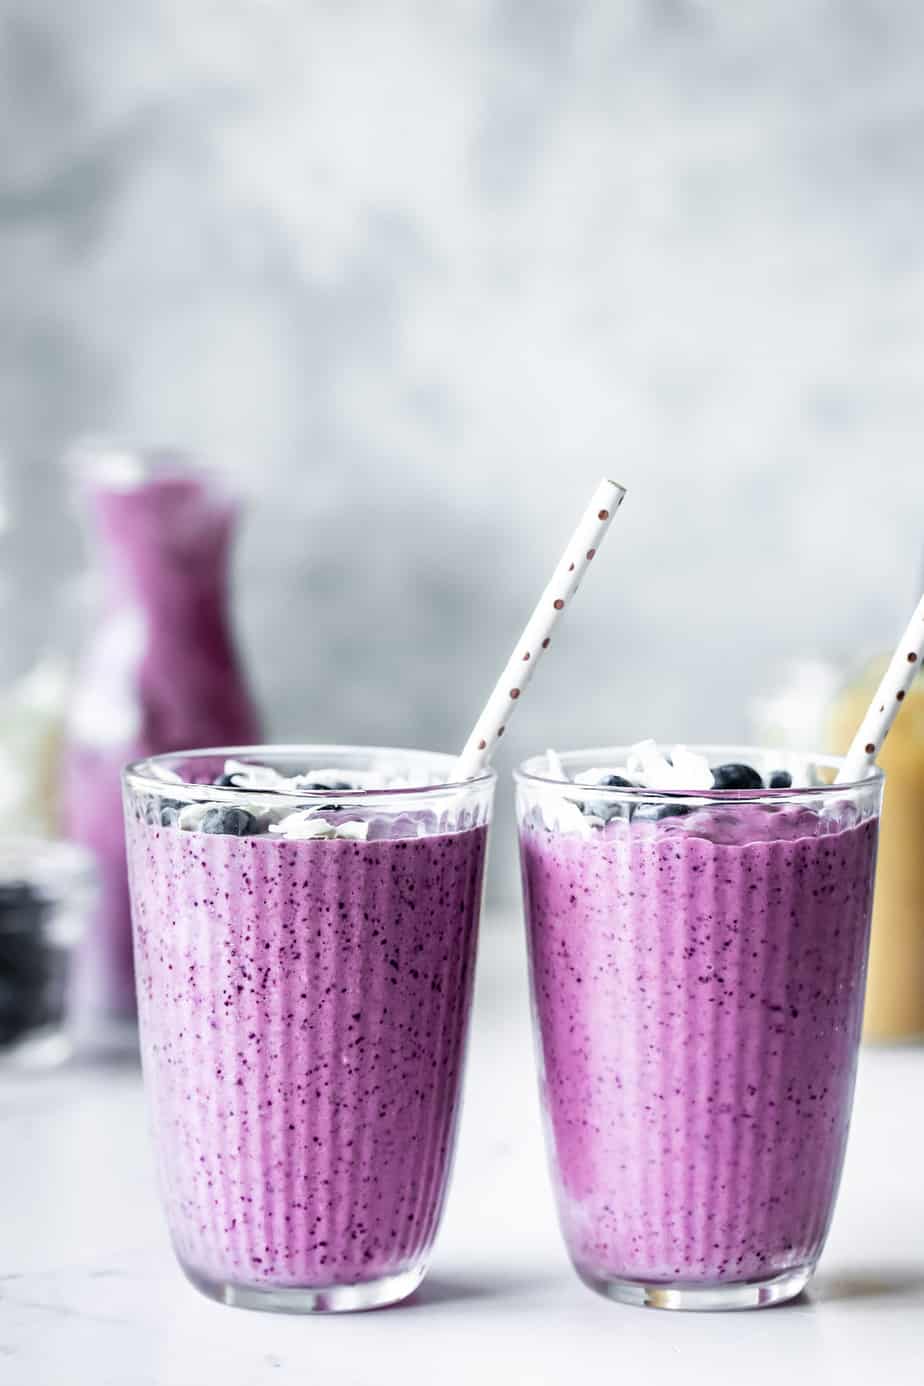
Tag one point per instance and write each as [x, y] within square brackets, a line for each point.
[535, 639]
[883, 709]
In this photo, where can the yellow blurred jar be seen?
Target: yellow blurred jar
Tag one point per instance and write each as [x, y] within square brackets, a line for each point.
[895, 990]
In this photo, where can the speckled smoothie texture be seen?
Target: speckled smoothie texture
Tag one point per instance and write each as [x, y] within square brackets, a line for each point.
[304, 1007]
[698, 988]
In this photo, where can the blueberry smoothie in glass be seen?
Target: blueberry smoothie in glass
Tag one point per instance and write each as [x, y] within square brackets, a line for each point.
[305, 925]
[698, 928]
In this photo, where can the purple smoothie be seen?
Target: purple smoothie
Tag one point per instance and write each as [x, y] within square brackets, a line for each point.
[160, 673]
[304, 1007]
[698, 988]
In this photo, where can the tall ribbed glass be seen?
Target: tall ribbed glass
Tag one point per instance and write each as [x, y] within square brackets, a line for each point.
[304, 1006]
[698, 966]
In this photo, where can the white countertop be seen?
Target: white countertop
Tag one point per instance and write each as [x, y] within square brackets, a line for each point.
[89, 1292]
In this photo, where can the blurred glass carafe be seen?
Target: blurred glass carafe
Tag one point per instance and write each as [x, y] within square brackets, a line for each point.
[159, 672]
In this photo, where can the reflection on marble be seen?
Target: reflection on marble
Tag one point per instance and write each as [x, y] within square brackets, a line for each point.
[416, 274]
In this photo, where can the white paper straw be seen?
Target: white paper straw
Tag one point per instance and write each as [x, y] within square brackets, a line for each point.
[888, 698]
[532, 644]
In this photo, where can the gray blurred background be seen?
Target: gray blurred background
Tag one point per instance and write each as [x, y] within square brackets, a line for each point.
[417, 273]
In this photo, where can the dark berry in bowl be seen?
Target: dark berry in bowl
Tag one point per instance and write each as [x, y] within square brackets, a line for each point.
[27, 965]
[21, 908]
[736, 776]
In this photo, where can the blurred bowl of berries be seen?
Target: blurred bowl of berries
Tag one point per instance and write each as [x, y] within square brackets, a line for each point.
[46, 891]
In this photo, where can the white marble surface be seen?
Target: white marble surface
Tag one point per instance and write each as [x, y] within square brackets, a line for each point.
[89, 1292]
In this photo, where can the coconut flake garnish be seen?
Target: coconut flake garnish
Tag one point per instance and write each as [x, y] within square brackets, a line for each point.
[353, 831]
[191, 815]
[597, 775]
[168, 776]
[567, 817]
[256, 777]
[685, 770]
[305, 825]
[302, 826]
[264, 778]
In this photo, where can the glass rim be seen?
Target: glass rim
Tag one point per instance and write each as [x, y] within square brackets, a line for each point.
[136, 775]
[524, 773]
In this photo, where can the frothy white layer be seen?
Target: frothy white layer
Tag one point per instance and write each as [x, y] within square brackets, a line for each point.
[245, 775]
[327, 819]
[306, 824]
[647, 768]
[684, 770]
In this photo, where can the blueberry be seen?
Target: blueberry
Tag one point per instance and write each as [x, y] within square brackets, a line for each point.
[236, 822]
[604, 808]
[780, 779]
[652, 813]
[736, 776]
[161, 813]
[594, 808]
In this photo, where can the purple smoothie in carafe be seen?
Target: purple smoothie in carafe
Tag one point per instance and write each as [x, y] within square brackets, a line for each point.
[160, 673]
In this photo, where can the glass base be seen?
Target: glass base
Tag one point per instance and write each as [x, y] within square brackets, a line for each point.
[306, 1299]
[751, 1294]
